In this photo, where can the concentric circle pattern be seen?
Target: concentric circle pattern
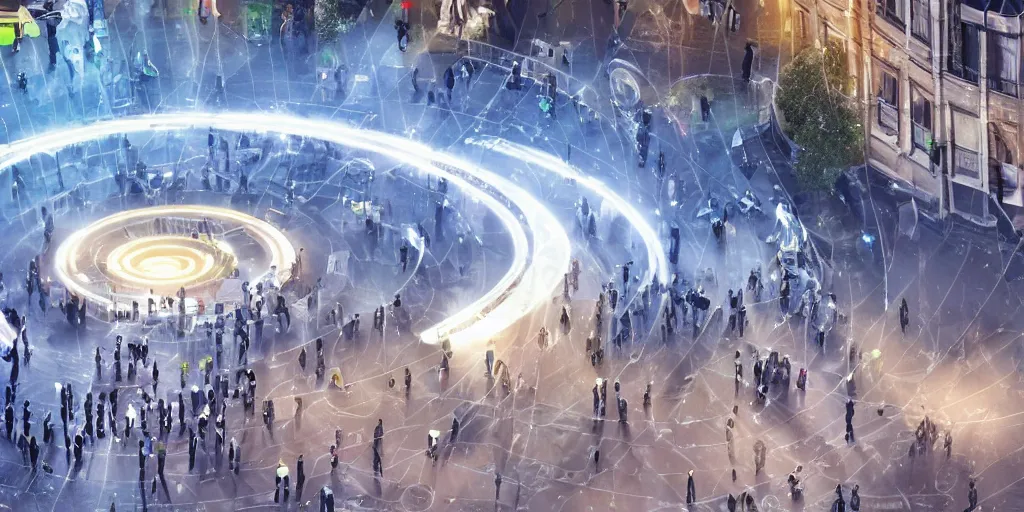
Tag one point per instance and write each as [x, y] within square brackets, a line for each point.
[129, 256]
[169, 262]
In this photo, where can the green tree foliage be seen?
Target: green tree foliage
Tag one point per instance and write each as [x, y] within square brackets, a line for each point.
[819, 117]
[335, 17]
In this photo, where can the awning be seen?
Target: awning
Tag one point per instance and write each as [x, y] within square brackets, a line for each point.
[9, 18]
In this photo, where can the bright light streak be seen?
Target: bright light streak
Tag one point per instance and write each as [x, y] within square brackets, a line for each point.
[657, 262]
[522, 289]
[164, 254]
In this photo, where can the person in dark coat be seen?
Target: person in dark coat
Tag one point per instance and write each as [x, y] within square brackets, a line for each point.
[47, 427]
[748, 61]
[79, 445]
[691, 491]
[904, 315]
[25, 416]
[9, 421]
[972, 497]
[33, 451]
[455, 429]
[378, 434]
[193, 444]
[300, 478]
[840, 504]
[100, 410]
[449, 82]
[12, 357]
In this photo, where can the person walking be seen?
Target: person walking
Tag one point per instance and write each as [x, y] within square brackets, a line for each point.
[691, 490]
[748, 61]
[161, 459]
[9, 420]
[904, 313]
[193, 444]
[300, 477]
[449, 83]
[282, 481]
[849, 421]
[839, 505]
[378, 463]
[759, 456]
[378, 434]
[972, 497]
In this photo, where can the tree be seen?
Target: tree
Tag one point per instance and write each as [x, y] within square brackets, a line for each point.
[819, 117]
[335, 17]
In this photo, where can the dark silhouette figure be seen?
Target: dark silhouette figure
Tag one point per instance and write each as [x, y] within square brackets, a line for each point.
[904, 315]
[748, 61]
[691, 491]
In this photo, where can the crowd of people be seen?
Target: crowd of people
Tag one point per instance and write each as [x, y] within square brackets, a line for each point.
[624, 315]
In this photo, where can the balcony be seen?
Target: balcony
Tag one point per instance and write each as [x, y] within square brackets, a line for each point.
[1007, 87]
[967, 162]
[888, 117]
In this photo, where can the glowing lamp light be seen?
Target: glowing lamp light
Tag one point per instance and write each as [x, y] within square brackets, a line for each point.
[406, 4]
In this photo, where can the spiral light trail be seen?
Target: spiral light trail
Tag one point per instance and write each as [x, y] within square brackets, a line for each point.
[533, 277]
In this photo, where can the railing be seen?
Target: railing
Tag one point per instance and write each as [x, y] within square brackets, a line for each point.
[1002, 85]
[888, 116]
[966, 162]
[922, 137]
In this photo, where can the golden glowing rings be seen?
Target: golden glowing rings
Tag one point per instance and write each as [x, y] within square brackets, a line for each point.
[107, 262]
[169, 262]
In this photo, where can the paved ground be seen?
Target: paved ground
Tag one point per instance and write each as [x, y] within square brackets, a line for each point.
[958, 362]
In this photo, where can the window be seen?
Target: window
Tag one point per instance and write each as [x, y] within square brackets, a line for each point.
[1003, 63]
[1002, 173]
[888, 103]
[967, 145]
[801, 26]
[892, 10]
[965, 62]
[890, 90]
[921, 20]
[921, 116]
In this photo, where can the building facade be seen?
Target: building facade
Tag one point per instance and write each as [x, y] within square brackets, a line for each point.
[939, 85]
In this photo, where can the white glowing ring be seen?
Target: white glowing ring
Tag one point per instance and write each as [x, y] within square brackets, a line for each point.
[124, 261]
[169, 262]
[521, 290]
[657, 263]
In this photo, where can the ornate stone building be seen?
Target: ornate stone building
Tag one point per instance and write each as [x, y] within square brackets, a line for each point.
[939, 85]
